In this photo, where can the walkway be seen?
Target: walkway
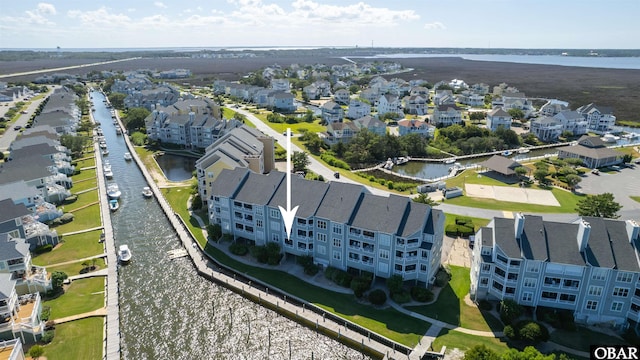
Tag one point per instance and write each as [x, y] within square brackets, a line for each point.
[83, 230]
[99, 312]
[79, 260]
[101, 272]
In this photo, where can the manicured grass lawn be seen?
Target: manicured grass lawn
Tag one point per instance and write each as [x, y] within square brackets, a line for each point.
[228, 113]
[451, 308]
[79, 186]
[454, 339]
[582, 338]
[388, 322]
[81, 296]
[80, 339]
[86, 162]
[295, 128]
[85, 174]
[83, 200]
[74, 247]
[635, 198]
[477, 222]
[177, 197]
[85, 218]
[74, 269]
[472, 177]
[146, 155]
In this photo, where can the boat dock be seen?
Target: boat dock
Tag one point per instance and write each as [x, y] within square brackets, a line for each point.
[177, 253]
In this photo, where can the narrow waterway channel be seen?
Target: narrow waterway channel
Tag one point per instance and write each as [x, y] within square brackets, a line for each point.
[167, 311]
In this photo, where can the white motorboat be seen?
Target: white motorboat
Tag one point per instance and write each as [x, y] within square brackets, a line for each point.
[118, 130]
[114, 205]
[124, 254]
[127, 156]
[103, 144]
[523, 150]
[105, 152]
[450, 161]
[113, 191]
[609, 138]
[108, 174]
[146, 192]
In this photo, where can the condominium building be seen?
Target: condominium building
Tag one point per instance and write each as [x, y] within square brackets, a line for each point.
[339, 225]
[590, 266]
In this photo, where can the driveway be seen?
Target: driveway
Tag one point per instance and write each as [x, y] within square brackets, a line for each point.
[621, 184]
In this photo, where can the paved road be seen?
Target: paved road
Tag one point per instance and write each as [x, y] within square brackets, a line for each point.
[10, 134]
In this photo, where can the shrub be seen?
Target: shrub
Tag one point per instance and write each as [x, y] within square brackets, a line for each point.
[47, 337]
[333, 161]
[65, 218]
[36, 351]
[196, 203]
[57, 280]
[359, 285]
[338, 276]
[214, 231]
[509, 332]
[421, 294]
[394, 284]
[273, 253]
[401, 297]
[43, 249]
[238, 249]
[531, 331]
[451, 230]
[70, 199]
[463, 220]
[485, 305]
[46, 312]
[307, 264]
[442, 277]
[377, 297]
[509, 311]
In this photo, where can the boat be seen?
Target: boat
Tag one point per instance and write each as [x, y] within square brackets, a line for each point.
[113, 191]
[402, 160]
[108, 173]
[146, 192]
[523, 150]
[609, 138]
[450, 161]
[105, 152]
[507, 153]
[103, 144]
[118, 131]
[127, 156]
[113, 205]
[124, 254]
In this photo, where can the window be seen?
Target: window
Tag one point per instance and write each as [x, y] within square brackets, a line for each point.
[337, 242]
[484, 282]
[337, 255]
[595, 290]
[321, 237]
[274, 213]
[248, 228]
[549, 295]
[513, 276]
[423, 268]
[337, 228]
[383, 254]
[486, 251]
[591, 305]
[502, 259]
[598, 274]
[368, 234]
[259, 223]
[617, 306]
[302, 233]
[552, 281]
[527, 296]
[499, 272]
[510, 290]
[571, 283]
[302, 221]
[275, 238]
[354, 256]
[237, 214]
[624, 277]
[239, 226]
[398, 267]
[533, 267]
[302, 246]
[486, 267]
[634, 307]
[620, 291]
[530, 282]
[567, 297]
[411, 267]
[237, 204]
[322, 224]
[497, 286]
[515, 263]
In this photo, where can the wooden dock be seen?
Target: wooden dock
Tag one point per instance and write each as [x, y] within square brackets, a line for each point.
[177, 253]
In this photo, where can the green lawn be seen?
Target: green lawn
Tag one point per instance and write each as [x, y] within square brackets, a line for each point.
[177, 197]
[80, 339]
[451, 308]
[582, 338]
[295, 128]
[84, 199]
[229, 114]
[86, 162]
[73, 247]
[454, 339]
[85, 218]
[81, 296]
[85, 174]
[635, 198]
[86, 184]
[388, 322]
[477, 222]
[74, 269]
[146, 155]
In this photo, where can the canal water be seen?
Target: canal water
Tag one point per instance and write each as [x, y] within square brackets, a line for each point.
[175, 167]
[167, 311]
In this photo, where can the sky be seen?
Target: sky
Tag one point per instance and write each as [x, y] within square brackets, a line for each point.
[557, 24]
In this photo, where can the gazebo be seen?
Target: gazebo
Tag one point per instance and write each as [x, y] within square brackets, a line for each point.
[502, 165]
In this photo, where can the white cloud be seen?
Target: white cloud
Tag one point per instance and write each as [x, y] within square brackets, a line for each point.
[434, 25]
[160, 4]
[46, 9]
[100, 17]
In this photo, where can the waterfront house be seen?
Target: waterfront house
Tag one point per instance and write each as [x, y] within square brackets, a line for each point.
[470, 98]
[15, 259]
[502, 165]
[282, 101]
[572, 121]
[340, 132]
[390, 104]
[546, 128]
[332, 112]
[415, 126]
[280, 85]
[592, 151]
[18, 221]
[339, 225]
[342, 96]
[420, 91]
[415, 104]
[446, 115]
[39, 172]
[358, 109]
[553, 107]
[21, 193]
[444, 97]
[241, 147]
[151, 98]
[589, 266]
[498, 117]
[600, 118]
[372, 124]
[12, 349]
[370, 95]
[19, 315]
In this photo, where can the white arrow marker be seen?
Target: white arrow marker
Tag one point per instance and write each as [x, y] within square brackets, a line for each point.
[289, 214]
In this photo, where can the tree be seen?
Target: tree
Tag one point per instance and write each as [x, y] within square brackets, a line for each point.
[240, 117]
[627, 158]
[300, 160]
[354, 89]
[480, 352]
[117, 100]
[36, 351]
[541, 175]
[425, 199]
[509, 311]
[135, 119]
[602, 205]
[516, 113]
[394, 283]
[573, 180]
[521, 171]
[57, 280]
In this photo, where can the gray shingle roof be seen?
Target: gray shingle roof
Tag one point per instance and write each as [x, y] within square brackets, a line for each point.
[339, 202]
[379, 213]
[6, 285]
[13, 249]
[259, 189]
[228, 181]
[501, 164]
[10, 211]
[24, 169]
[307, 195]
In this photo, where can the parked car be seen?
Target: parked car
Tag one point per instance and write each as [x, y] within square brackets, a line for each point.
[595, 172]
[17, 127]
[336, 175]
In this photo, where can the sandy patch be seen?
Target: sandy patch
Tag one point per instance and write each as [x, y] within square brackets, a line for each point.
[512, 194]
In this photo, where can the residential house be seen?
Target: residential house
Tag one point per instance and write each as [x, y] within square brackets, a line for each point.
[458, 84]
[58, 156]
[32, 198]
[241, 147]
[480, 89]
[151, 98]
[546, 128]
[390, 104]
[370, 95]
[63, 121]
[358, 109]
[589, 266]
[15, 260]
[18, 221]
[173, 74]
[446, 115]
[282, 101]
[470, 98]
[415, 104]
[572, 121]
[338, 225]
[420, 91]
[444, 97]
[12, 348]
[38, 172]
[342, 96]
[312, 92]
[553, 107]
[592, 151]
[19, 315]
[498, 117]
[514, 100]
[372, 124]
[331, 112]
[415, 126]
[600, 118]
[340, 132]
